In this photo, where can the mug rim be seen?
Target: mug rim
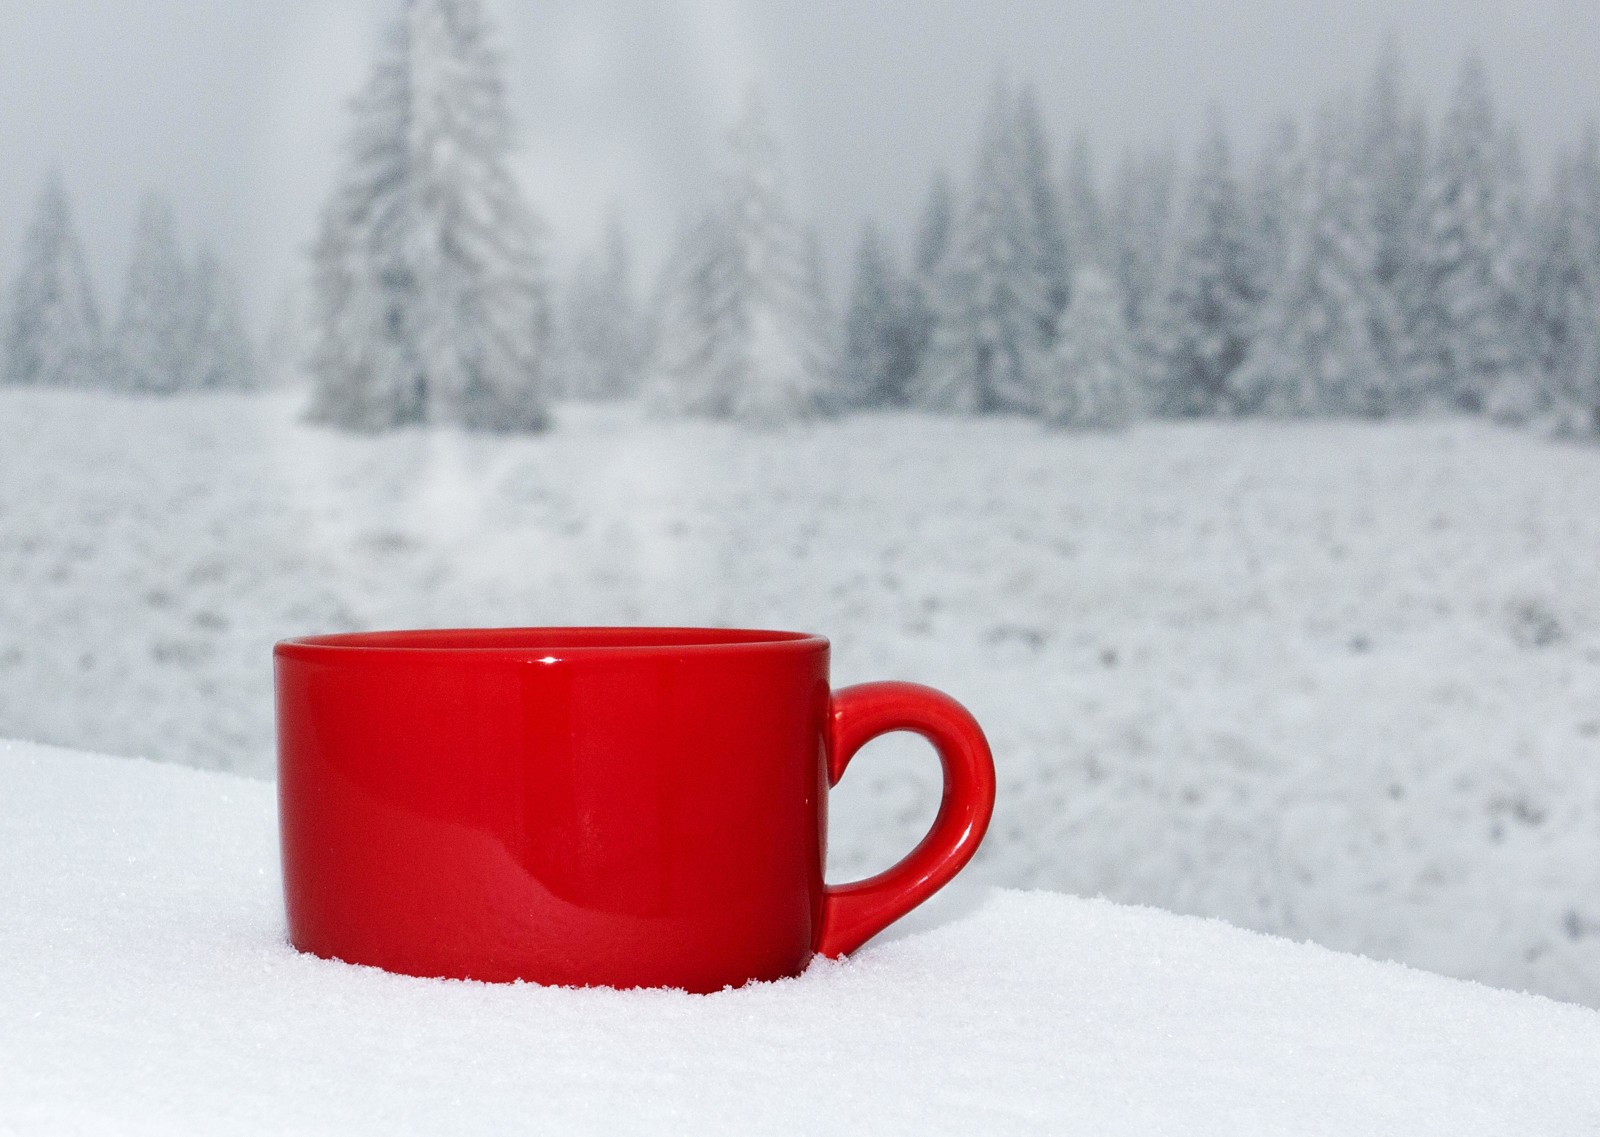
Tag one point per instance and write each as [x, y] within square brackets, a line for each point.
[554, 642]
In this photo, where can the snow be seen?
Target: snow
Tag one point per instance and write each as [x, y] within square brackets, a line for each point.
[148, 988]
[1336, 681]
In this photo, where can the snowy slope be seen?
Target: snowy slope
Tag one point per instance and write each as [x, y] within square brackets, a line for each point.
[148, 989]
[1336, 681]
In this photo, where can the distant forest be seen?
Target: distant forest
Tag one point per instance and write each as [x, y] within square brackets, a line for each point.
[1375, 261]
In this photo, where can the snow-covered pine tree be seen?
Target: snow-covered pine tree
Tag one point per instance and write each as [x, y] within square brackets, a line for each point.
[934, 227]
[217, 354]
[604, 332]
[995, 302]
[1392, 161]
[825, 339]
[1140, 225]
[1465, 336]
[1317, 347]
[927, 263]
[52, 329]
[1087, 235]
[1049, 224]
[152, 337]
[1092, 379]
[1564, 292]
[880, 345]
[697, 312]
[1207, 305]
[430, 298]
[1276, 197]
[744, 316]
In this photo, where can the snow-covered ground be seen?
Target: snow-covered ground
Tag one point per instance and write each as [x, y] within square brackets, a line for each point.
[147, 988]
[1339, 681]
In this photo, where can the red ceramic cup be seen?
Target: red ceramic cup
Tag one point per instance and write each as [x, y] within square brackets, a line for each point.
[624, 807]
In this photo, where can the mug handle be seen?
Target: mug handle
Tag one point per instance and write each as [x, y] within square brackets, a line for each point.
[853, 913]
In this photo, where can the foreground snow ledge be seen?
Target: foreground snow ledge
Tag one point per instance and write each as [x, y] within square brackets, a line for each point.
[145, 987]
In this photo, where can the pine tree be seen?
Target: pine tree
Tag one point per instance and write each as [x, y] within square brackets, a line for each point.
[430, 297]
[880, 343]
[1392, 161]
[995, 302]
[217, 352]
[1208, 304]
[824, 341]
[52, 331]
[1318, 348]
[603, 328]
[935, 227]
[1276, 200]
[1465, 333]
[1140, 229]
[927, 264]
[698, 311]
[744, 311]
[1564, 292]
[1087, 230]
[1092, 380]
[1045, 216]
[153, 333]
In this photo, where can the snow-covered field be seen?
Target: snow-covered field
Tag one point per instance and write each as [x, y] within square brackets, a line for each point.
[147, 988]
[1339, 681]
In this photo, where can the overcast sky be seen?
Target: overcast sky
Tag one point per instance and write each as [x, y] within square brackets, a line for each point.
[235, 108]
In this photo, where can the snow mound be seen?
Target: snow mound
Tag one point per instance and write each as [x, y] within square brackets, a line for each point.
[147, 988]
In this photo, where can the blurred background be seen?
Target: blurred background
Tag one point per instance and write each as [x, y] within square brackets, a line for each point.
[1207, 398]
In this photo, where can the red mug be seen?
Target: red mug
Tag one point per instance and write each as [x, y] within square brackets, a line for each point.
[622, 807]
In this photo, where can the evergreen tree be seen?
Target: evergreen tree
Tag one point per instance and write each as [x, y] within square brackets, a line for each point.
[154, 328]
[927, 263]
[604, 331]
[1045, 216]
[698, 311]
[995, 303]
[430, 297]
[1392, 161]
[217, 354]
[1564, 291]
[1318, 348]
[744, 311]
[1465, 333]
[1092, 380]
[52, 331]
[935, 228]
[1140, 229]
[1275, 203]
[823, 341]
[1208, 303]
[880, 345]
[1087, 231]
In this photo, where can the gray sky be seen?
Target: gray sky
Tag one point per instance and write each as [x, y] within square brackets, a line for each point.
[234, 108]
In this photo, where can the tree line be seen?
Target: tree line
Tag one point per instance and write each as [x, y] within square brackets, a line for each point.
[178, 327]
[1374, 264]
[1375, 261]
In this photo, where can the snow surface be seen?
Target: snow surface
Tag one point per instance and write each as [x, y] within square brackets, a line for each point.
[147, 988]
[1339, 681]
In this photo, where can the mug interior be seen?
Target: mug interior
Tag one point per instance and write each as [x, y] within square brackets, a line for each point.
[561, 641]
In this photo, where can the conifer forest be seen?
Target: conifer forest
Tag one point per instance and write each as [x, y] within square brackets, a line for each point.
[1380, 259]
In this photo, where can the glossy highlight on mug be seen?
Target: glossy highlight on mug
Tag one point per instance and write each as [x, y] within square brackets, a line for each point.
[592, 806]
